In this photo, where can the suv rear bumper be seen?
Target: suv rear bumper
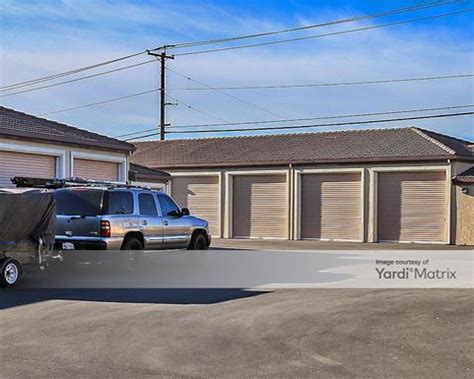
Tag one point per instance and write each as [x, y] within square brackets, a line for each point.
[89, 243]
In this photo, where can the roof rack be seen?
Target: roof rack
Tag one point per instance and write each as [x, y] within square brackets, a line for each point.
[22, 182]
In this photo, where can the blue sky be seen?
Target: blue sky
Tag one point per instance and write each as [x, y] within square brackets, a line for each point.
[45, 37]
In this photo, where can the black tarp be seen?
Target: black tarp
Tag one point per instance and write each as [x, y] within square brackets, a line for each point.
[27, 216]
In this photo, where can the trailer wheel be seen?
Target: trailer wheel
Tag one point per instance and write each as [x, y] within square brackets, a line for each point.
[10, 273]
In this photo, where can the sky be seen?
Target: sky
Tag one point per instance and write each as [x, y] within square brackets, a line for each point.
[45, 37]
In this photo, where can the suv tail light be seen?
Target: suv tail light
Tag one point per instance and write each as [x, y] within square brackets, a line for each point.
[105, 228]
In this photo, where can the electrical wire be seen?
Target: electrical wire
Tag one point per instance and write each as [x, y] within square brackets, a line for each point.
[228, 95]
[325, 34]
[106, 101]
[310, 118]
[77, 79]
[321, 125]
[27, 83]
[196, 109]
[313, 26]
[100, 102]
[333, 84]
[71, 72]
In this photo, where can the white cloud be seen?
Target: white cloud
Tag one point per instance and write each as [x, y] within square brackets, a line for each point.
[80, 33]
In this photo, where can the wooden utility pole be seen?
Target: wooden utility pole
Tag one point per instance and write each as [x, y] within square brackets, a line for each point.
[162, 57]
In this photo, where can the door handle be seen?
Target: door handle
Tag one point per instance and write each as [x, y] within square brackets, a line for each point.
[165, 223]
[144, 222]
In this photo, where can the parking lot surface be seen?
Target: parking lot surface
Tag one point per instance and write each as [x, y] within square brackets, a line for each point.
[234, 332]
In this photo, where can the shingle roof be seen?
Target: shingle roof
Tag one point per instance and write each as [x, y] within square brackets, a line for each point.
[337, 146]
[139, 172]
[465, 177]
[24, 126]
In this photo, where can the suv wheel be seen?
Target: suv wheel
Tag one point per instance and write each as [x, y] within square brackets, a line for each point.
[198, 242]
[133, 249]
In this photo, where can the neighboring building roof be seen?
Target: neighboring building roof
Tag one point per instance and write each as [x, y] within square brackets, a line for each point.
[465, 177]
[326, 147]
[19, 125]
[141, 173]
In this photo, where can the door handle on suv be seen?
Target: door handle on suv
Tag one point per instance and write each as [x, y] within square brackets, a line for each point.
[144, 222]
[165, 223]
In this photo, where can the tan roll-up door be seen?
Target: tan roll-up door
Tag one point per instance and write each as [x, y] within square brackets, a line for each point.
[201, 195]
[411, 206]
[21, 164]
[260, 206]
[331, 206]
[95, 170]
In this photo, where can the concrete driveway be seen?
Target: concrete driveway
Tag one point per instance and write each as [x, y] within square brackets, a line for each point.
[268, 244]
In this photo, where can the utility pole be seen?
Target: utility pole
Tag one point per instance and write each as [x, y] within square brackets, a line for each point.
[162, 57]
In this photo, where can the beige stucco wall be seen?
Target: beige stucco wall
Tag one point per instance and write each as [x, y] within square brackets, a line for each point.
[465, 214]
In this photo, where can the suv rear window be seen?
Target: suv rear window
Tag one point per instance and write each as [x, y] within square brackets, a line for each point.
[80, 202]
[118, 202]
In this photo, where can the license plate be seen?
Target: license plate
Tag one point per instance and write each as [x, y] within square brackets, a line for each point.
[68, 246]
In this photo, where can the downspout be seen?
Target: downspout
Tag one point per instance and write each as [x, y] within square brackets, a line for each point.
[291, 202]
[452, 214]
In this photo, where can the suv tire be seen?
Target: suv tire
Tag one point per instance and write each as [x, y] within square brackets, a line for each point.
[198, 242]
[133, 258]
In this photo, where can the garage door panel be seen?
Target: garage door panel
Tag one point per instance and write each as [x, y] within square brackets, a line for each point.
[412, 206]
[96, 170]
[22, 164]
[260, 205]
[331, 206]
[201, 195]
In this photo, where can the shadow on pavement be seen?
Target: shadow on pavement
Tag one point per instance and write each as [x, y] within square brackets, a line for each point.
[179, 296]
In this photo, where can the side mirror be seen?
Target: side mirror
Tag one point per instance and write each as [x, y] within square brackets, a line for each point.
[185, 211]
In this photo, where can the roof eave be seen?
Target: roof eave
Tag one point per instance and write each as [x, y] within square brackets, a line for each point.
[309, 162]
[35, 138]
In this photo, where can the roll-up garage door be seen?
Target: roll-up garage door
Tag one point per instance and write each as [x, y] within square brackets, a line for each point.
[411, 206]
[201, 195]
[260, 206]
[20, 164]
[95, 170]
[331, 206]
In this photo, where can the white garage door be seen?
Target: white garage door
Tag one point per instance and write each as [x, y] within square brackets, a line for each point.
[411, 207]
[20, 164]
[331, 206]
[201, 195]
[96, 170]
[260, 206]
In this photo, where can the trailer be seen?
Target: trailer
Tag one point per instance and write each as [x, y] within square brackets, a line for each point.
[27, 232]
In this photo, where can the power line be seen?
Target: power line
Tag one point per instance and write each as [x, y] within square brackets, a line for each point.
[325, 34]
[196, 109]
[322, 125]
[76, 80]
[100, 102]
[71, 72]
[333, 117]
[306, 27]
[26, 83]
[333, 84]
[106, 101]
[308, 118]
[226, 94]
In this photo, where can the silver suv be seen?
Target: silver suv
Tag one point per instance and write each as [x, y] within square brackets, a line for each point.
[122, 218]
